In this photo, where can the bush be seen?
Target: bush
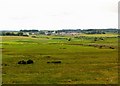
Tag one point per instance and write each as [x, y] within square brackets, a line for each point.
[69, 39]
[30, 62]
[22, 62]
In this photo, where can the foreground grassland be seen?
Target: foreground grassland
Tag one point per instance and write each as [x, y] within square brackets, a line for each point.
[83, 61]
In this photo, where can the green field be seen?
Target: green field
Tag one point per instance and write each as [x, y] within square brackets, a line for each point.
[83, 60]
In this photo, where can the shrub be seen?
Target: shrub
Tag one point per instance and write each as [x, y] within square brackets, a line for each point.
[30, 62]
[22, 62]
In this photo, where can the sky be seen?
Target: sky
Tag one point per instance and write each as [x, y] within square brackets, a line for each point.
[58, 14]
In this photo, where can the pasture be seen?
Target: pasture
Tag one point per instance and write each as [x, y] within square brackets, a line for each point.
[81, 60]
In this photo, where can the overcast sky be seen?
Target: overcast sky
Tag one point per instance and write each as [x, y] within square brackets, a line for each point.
[58, 14]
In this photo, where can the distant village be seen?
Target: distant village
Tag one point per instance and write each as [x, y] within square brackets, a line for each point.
[57, 32]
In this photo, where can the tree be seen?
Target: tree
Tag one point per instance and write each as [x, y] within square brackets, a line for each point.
[20, 33]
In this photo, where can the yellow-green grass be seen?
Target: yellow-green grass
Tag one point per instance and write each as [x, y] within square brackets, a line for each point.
[79, 64]
[100, 35]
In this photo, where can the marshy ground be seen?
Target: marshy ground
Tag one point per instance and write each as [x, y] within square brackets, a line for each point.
[82, 60]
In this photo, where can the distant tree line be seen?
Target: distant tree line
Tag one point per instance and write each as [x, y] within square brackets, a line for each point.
[99, 31]
[12, 34]
[29, 30]
[89, 31]
[94, 32]
[86, 31]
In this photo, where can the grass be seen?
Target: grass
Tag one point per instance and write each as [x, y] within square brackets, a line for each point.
[80, 64]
